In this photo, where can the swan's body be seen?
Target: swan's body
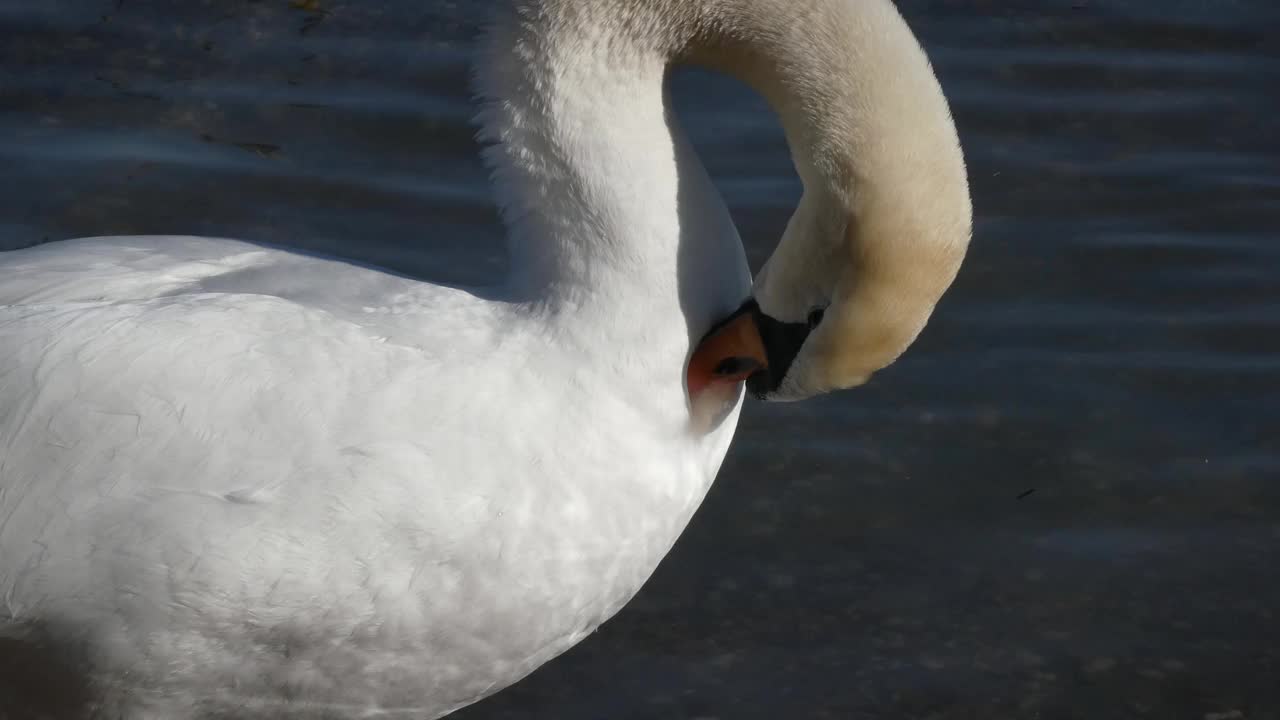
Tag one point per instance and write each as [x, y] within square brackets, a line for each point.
[409, 505]
[239, 481]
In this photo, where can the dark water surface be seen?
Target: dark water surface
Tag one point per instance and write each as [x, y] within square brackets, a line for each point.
[1063, 502]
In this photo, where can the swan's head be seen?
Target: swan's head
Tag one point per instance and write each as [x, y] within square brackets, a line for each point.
[885, 217]
[845, 294]
[841, 297]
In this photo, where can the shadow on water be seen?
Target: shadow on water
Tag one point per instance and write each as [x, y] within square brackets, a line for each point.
[41, 677]
[1063, 502]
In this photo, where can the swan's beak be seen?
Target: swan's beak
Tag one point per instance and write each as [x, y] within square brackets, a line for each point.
[730, 353]
[748, 345]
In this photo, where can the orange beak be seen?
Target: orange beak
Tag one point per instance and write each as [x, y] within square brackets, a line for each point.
[729, 354]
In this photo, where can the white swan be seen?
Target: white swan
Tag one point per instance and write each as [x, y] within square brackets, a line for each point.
[237, 481]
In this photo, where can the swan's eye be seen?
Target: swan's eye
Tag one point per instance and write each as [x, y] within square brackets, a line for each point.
[815, 317]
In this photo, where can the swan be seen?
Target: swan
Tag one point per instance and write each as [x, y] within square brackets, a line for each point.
[241, 481]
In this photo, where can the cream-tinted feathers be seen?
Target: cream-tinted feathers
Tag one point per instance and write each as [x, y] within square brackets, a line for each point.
[885, 218]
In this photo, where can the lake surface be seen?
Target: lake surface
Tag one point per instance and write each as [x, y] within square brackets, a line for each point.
[1064, 501]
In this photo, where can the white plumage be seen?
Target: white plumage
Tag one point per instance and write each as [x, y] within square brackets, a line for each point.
[391, 492]
[236, 480]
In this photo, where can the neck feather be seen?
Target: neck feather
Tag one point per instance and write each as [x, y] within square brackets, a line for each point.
[611, 214]
[608, 208]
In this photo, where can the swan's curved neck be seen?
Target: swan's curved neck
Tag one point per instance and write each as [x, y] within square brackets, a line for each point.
[613, 222]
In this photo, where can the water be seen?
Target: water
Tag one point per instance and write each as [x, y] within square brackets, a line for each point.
[1063, 502]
